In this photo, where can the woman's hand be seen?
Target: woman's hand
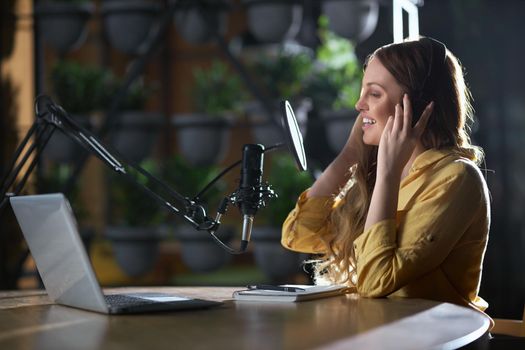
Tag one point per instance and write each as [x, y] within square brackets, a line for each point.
[399, 138]
[397, 144]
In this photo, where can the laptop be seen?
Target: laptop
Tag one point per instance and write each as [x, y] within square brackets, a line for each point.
[50, 230]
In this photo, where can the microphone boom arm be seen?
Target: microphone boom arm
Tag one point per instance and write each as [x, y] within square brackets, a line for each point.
[55, 117]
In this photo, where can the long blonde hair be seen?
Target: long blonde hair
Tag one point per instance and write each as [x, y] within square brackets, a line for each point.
[448, 127]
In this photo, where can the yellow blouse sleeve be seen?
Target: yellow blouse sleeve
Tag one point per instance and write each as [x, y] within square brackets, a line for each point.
[307, 223]
[390, 254]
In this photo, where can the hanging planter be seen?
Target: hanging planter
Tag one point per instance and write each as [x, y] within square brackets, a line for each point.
[338, 125]
[271, 21]
[264, 131]
[200, 252]
[353, 19]
[136, 133]
[136, 249]
[127, 23]
[63, 25]
[202, 139]
[133, 228]
[277, 263]
[197, 22]
[79, 90]
[61, 148]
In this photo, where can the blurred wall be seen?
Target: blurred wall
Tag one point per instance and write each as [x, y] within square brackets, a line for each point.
[16, 116]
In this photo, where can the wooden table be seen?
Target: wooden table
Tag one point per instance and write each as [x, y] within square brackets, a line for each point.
[29, 320]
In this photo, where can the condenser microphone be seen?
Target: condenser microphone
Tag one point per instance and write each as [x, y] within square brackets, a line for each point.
[250, 189]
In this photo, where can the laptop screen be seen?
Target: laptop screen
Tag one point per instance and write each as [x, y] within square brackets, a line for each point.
[51, 233]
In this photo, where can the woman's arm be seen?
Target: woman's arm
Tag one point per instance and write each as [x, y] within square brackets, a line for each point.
[309, 222]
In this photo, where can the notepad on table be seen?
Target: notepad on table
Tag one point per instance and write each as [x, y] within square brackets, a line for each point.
[301, 293]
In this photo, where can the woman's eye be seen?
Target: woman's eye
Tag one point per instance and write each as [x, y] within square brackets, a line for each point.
[375, 94]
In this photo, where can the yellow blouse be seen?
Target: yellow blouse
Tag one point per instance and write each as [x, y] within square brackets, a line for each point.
[433, 249]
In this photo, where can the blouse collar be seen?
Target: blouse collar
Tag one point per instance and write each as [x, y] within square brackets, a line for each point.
[429, 157]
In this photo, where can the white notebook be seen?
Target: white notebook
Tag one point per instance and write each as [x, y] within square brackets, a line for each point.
[301, 293]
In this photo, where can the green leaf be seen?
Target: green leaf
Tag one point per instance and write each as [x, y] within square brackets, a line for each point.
[288, 182]
[282, 75]
[217, 90]
[335, 81]
[130, 205]
[80, 89]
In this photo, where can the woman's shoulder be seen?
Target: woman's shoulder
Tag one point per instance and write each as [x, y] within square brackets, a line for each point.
[457, 164]
[438, 167]
[462, 171]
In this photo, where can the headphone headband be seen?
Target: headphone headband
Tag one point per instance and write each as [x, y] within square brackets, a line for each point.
[436, 68]
[437, 61]
[438, 56]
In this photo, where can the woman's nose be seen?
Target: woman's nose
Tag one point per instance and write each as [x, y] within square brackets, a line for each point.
[359, 105]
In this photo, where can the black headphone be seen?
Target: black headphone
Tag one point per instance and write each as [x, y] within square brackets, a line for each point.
[437, 62]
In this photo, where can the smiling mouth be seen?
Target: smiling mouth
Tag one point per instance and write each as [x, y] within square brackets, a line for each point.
[368, 121]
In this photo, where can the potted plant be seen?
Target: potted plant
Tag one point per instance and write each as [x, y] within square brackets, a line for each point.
[127, 24]
[352, 19]
[135, 130]
[198, 251]
[63, 22]
[274, 20]
[134, 222]
[217, 95]
[79, 89]
[197, 21]
[280, 74]
[334, 85]
[275, 261]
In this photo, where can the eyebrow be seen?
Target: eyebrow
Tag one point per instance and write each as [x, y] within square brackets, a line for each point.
[374, 83]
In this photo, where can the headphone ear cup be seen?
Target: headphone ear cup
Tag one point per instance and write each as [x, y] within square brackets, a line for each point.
[418, 105]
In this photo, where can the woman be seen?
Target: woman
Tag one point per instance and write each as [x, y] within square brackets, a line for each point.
[403, 210]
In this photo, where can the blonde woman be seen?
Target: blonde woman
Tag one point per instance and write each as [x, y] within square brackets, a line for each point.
[403, 210]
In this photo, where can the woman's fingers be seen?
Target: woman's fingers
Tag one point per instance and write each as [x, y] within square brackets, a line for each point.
[389, 124]
[402, 119]
[398, 118]
[423, 121]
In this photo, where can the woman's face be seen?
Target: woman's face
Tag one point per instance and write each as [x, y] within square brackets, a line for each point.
[380, 93]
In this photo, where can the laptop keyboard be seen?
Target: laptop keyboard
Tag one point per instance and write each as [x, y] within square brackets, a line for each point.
[119, 300]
